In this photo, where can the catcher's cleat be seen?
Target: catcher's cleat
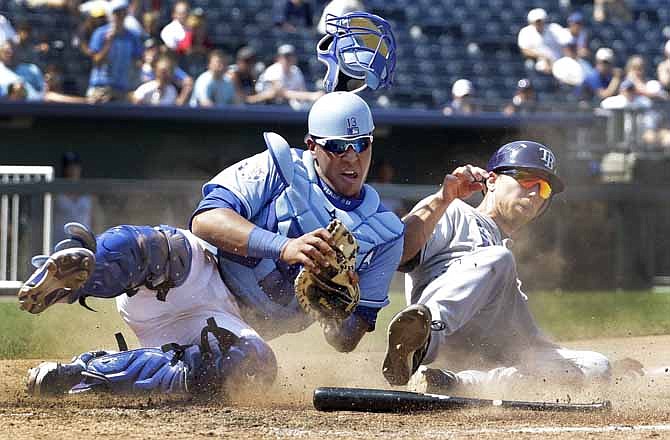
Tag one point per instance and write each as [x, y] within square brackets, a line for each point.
[432, 381]
[57, 280]
[408, 338]
[53, 378]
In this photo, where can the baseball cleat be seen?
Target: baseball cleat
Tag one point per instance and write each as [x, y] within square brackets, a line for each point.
[57, 280]
[408, 338]
[52, 378]
[432, 381]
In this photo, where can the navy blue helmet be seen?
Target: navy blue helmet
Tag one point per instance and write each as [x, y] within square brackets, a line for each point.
[528, 155]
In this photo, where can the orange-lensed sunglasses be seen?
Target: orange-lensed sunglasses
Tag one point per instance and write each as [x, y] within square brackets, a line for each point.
[528, 180]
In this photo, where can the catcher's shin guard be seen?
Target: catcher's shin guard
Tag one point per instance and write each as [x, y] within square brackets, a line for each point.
[53, 378]
[221, 361]
[408, 339]
[129, 257]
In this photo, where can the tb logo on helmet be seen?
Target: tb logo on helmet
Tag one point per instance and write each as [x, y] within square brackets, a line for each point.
[548, 158]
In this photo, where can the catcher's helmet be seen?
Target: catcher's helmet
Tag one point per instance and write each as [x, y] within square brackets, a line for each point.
[357, 46]
[528, 155]
[340, 115]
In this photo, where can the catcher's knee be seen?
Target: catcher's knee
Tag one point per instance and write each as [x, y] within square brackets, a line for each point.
[253, 361]
[129, 257]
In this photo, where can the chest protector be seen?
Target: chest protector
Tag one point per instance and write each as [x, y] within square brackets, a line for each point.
[304, 206]
[264, 288]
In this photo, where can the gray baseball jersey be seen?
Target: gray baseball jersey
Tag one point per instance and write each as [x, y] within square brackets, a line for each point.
[459, 232]
[467, 276]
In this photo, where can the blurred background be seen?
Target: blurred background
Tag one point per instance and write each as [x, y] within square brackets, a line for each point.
[133, 105]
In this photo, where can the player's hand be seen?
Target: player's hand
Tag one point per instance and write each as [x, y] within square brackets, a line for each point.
[617, 72]
[463, 181]
[310, 250]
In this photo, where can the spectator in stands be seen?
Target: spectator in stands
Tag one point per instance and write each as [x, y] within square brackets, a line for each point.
[151, 25]
[611, 9]
[182, 80]
[71, 207]
[338, 8]
[285, 79]
[524, 100]
[541, 42]
[25, 48]
[461, 104]
[94, 19]
[295, 14]
[629, 97]
[578, 34]
[53, 80]
[16, 91]
[159, 91]
[604, 80]
[243, 75]
[663, 69]
[12, 71]
[570, 69]
[196, 42]
[175, 31]
[636, 72]
[7, 32]
[644, 121]
[213, 88]
[114, 50]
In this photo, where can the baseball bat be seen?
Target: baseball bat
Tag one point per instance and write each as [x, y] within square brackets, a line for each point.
[383, 401]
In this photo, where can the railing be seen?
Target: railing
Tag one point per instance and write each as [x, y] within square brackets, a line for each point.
[12, 178]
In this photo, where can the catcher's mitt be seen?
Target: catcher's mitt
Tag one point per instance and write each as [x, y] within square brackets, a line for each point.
[331, 294]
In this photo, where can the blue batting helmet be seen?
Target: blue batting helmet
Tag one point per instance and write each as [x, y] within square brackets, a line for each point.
[357, 46]
[340, 115]
[528, 155]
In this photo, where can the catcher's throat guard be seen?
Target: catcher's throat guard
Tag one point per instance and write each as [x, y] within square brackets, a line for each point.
[333, 293]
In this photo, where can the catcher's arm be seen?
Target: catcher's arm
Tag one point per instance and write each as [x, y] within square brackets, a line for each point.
[345, 335]
[230, 232]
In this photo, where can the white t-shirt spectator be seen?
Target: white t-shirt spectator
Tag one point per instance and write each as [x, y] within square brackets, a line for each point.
[7, 31]
[293, 80]
[148, 93]
[172, 34]
[217, 91]
[549, 43]
[619, 102]
[338, 8]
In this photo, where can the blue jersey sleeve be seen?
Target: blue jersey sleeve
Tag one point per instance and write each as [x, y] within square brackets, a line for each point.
[375, 279]
[98, 39]
[220, 197]
[254, 182]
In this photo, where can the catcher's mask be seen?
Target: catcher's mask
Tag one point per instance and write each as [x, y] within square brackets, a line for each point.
[359, 50]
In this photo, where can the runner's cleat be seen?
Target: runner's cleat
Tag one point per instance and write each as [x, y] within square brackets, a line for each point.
[408, 338]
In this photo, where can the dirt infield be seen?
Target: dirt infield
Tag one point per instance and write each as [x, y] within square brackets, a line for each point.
[640, 407]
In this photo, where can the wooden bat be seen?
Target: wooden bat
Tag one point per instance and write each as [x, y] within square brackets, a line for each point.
[374, 400]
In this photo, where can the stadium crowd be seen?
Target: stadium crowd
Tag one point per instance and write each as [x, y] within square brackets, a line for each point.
[138, 55]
